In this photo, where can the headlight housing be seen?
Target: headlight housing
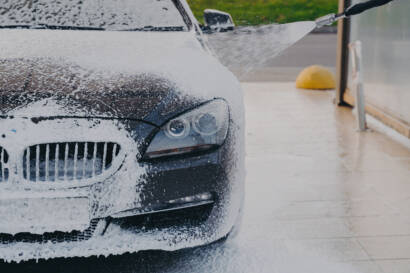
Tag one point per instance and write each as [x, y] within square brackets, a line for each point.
[200, 129]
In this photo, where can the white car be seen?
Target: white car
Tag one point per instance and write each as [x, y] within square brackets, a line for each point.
[119, 130]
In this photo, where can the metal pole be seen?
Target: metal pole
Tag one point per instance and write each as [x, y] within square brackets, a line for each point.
[342, 67]
[357, 73]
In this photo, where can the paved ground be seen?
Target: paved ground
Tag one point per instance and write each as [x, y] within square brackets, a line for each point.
[321, 198]
[340, 193]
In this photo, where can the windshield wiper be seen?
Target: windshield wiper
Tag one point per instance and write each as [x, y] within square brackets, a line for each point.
[57, 27]
[152, 28]
[54, 27]
[16, 26]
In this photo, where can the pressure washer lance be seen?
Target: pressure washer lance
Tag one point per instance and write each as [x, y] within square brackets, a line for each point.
[353, 10]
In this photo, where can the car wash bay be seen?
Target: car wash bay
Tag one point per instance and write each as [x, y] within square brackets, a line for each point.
[321, 197]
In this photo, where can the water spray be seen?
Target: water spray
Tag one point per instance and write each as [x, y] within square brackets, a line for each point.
[353, 10]
[247, 48]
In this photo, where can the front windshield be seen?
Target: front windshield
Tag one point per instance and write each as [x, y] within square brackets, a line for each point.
[104, 14]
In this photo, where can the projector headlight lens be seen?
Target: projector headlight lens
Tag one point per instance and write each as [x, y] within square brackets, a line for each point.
[206, 124]
[178, 128]
[198, 130]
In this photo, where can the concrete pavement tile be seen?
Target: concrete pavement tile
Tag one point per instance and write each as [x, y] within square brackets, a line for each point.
[332, 209]
[312, 210]
[395, 266]
[368, 163]
[277, 163]
[366, 267]
[393, 187]
[392, 225]
[406, 163]
[369, 143]
[342, 250]
[396, 151]
[315, 228]
[388, 247]
[370, 207]
[310, 193]
[387, 186]
[403, 207]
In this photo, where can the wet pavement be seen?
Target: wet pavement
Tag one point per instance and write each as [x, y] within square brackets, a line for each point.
[320, 197]
[340, 193]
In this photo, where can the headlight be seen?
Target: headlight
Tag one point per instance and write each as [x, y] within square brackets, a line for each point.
[198, 130]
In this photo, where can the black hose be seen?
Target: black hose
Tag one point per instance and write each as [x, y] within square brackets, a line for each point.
[361, 7]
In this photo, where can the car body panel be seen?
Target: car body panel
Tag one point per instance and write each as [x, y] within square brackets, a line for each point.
[86, 63]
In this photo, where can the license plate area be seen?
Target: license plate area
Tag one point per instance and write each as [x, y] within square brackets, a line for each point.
[41, 215]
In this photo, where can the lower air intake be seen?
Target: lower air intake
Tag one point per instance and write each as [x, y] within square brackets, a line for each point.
[4, 170]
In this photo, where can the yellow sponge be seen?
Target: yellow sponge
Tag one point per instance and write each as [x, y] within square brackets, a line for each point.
[316, 77]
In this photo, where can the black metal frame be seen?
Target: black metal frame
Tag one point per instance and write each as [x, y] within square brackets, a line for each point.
[343, 53]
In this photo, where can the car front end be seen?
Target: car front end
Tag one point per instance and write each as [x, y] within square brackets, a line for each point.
[110, 145]
[87, 188]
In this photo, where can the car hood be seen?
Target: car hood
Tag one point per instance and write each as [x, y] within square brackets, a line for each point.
[131, 75]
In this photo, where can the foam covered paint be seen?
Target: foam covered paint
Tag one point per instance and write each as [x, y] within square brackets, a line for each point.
[68, 86]
[107, 14]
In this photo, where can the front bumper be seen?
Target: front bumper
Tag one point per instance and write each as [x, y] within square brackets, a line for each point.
[130, 234]
[132, 212]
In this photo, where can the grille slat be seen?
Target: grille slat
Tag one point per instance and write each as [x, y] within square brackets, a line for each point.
[75, 160]
[28, 169]
[94, 158]
[56, 161]
[104, 156]
[47, 161]
[66, 149]
[4, 170]
[69, 161]
[85, 159]
[37, 162]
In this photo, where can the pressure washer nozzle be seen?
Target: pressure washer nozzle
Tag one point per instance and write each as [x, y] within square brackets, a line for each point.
[353, 10]
[329, 19]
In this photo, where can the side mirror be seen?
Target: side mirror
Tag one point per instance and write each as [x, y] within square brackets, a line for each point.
[217, 21]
